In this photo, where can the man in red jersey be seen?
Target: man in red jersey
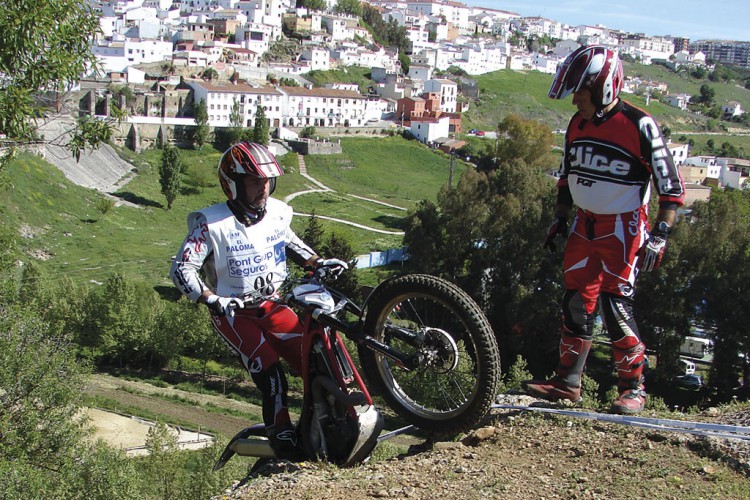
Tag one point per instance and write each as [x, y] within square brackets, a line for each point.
[612, 153]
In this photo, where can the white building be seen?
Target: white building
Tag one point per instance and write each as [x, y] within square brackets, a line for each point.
[320, 107]
[680, 153]
[648, 48]
[731, 109]
[319, 58]
[221, 96]
[283, 106]
[680, 101]
[117, 56]
[254, 36]
[448, 91]
[428, 130]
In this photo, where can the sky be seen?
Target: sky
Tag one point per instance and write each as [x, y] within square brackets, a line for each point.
[693, 19]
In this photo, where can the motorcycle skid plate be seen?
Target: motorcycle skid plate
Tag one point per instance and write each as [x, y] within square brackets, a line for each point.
[370, 423]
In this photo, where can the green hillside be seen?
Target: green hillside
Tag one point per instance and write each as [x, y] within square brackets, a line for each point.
[525, 93]
[77, 232]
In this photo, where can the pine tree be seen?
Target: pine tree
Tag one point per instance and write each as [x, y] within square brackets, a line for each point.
[200, 112]
[170, 173]
[260, 131]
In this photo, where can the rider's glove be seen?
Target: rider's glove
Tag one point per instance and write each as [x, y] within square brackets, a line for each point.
[334, 267]
[558, 226]
[223, 306]
[653, 251]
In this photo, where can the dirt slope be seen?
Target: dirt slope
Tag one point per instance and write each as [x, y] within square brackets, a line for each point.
[528, 456]
[517, 455]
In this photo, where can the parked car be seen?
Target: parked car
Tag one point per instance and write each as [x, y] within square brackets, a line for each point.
[473, 131]
[692, 381]
[688, 366]
[480, 133]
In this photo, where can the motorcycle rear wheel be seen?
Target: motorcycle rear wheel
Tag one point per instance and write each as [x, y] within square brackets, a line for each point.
[457, 380]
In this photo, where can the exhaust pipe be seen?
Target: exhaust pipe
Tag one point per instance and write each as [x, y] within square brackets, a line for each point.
[244, 445]
[254, 447]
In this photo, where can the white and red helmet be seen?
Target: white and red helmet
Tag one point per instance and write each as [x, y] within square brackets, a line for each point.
[246, 158]
[594, 67]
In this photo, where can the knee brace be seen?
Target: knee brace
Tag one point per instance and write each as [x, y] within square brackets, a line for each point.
[576, 320]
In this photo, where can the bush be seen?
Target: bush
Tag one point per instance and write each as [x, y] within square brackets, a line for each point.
[517, 375]
[104, 205]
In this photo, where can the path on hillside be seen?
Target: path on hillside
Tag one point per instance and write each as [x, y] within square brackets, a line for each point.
[322, 188]
[133, 394]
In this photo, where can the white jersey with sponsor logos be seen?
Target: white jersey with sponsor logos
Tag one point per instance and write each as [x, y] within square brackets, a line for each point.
[237, 260]
[610, 162]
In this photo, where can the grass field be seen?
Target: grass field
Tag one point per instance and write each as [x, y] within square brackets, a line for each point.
[75, 232]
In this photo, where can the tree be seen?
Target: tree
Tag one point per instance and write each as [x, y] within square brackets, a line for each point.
[44, 50]
[666, 132]
[405, 62]
[260, 129]
[485, 234]
[313, 233]
[348, 282]
[45, 452]
[716, 266]
[210, 74]
[200, 112]
[236, 125]
[707, 95]
[523, 139]
[171, 172]
[349, 7]
[308, 132]
[313, 4]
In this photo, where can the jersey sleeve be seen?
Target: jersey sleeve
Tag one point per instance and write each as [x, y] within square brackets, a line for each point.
[297, 249]
[195, 250]
[667, 179]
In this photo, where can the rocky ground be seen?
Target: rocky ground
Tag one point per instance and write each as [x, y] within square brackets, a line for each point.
[515, 455]
[528, 455]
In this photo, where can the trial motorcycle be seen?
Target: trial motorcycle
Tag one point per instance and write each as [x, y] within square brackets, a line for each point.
[424, 346]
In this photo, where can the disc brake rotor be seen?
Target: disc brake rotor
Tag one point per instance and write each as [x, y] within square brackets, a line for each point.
[440, 350]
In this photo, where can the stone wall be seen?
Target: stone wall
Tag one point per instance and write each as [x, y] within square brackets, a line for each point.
[312, 147]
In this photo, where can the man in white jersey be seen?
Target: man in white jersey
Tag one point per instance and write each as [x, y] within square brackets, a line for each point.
[242, 247]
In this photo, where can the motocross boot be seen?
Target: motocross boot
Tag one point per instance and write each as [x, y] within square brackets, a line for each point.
[630, 401]
[285, 442]
[566, 384]
[629, 363]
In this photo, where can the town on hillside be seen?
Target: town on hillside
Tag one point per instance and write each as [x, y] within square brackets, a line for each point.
[236, 56]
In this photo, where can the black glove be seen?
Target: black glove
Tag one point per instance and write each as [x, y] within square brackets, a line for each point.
[653, 251]
[558, 226]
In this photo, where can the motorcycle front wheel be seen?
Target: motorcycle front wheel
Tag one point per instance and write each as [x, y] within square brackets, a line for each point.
[437, 323]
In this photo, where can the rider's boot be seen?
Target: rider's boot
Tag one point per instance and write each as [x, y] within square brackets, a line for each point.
[285, 442]
[629, 363]
[566, 384]
[279, 428]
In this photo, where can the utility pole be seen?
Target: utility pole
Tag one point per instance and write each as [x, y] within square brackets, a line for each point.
[450, 175]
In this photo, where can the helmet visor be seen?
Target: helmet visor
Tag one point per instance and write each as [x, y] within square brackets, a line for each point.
[570, 77]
